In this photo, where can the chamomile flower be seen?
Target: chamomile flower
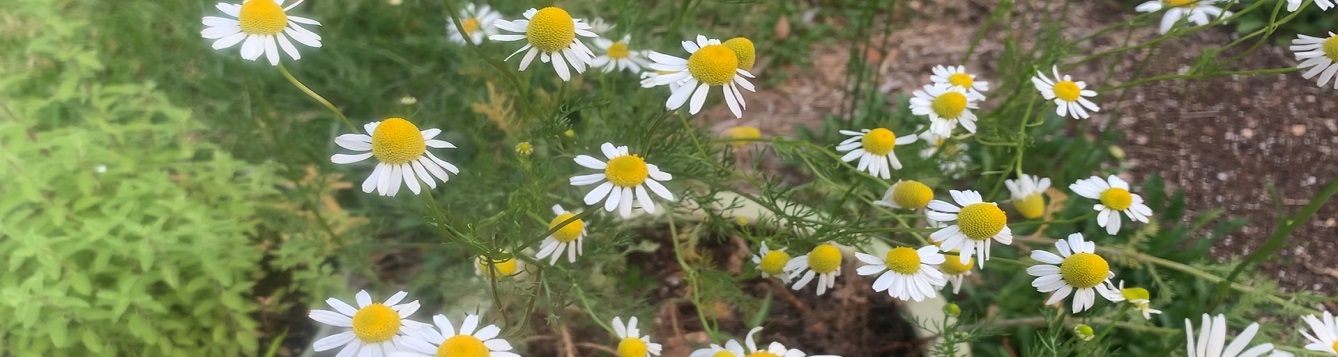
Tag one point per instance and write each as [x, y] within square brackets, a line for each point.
[625, 176]
[631, 343]
[617, 56]
[550, 34]
[1198, 12]
[501, 267]
[1324, 5]
[908, 194]
[1115, 198]
[947, 106]
[570, 238]
[958, 77]
[374, 329]
[772, 263]
[955, 270]
[710, 64]
[445, 340]
[1137, 296]
[262, 27]
[1320, 55]
[823, 261]
[1026, 191]
[648, 80]
[1325, 334]
[1070, 96]
[476, 20]
[599, 26]
[401, 153]
[732, 348]
[745, 51]
[976, 223]
[1212, 341]
[907, 274]
[952, 157]
[873, 148]
[1076, 268]
[743, 135]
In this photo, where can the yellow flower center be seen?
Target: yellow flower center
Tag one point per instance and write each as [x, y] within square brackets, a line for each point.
[569, 232]
[1084, 270]
[627, 171]
[632, 347]
[961, 80]
[1032, 206]
[1179, 3]
[524, 148]
[1335, 346]
[505, 267]
[376, 322]
[618, 50]
[952, 265]
[1067, 91]
[949, 105]
[1331, 50]
[462, 346]
[262, 17]
[1133, 294]
[397, 141]
[824, 259]
[743, 134]
[774, 262]
[551, 29]
[912, 194]
[744, 50]
[761, 354]
[724, 353]
[879, 141]
[1117, 199]
[713, 65]
[905, 261]
[980, 221]
[470, 25]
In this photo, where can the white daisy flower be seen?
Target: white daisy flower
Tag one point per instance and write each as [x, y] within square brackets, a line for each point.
[631, 343]
[374, 329]
[953, 159]
[265, 25]
[1069, 96]
[908, 194]
[551, 34]
[1213, 340]
[401, 154]
[1325, 337]
[946, 105]
[1115, 198]
[907, 274]
[599, 26]
[477, 21]
[955, 270]
[958, 77]
[502, 267]
[823, 261]
[1324, 5]
[732, 348]
[1026, 191]
[873, 148]
[1139, 297]
[648, 80]
[710, 64]
[617, 56]
[1198, 12]
[570, 238]
[976, 223]
[443, 340]
[1077, 267]
[1320, 55]
[772, 263]
[625, 176]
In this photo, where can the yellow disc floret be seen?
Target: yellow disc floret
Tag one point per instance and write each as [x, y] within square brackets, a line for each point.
[627, 171]
[551, 30]
[762, 354]
[1330, 48]
[773, 263]
[1179, 3]
[961, 80]
[1135, 294]
[463, 346]
[1335, 346]
[618, 50]
[262, 17]
[981, 221]
[724, 353]
[911, 194]
[1117, 198]
[879, 141]
[569, 232]
[824, 259]
[396, 141]
[470, 25]
[1032, 206]
[632, 347]
[713, 65]
[1084, 270]
[905, 261]
[949, 105]
[743, 135]
[505, 267]
[952, 265]
[744, 50]
[376, 323]
[1067, 91]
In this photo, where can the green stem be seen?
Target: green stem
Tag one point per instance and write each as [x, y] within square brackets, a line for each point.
[284, 70]
[1280, 236]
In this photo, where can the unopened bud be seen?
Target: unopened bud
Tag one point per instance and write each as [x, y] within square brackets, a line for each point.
[952, 310]
[1084, 332]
